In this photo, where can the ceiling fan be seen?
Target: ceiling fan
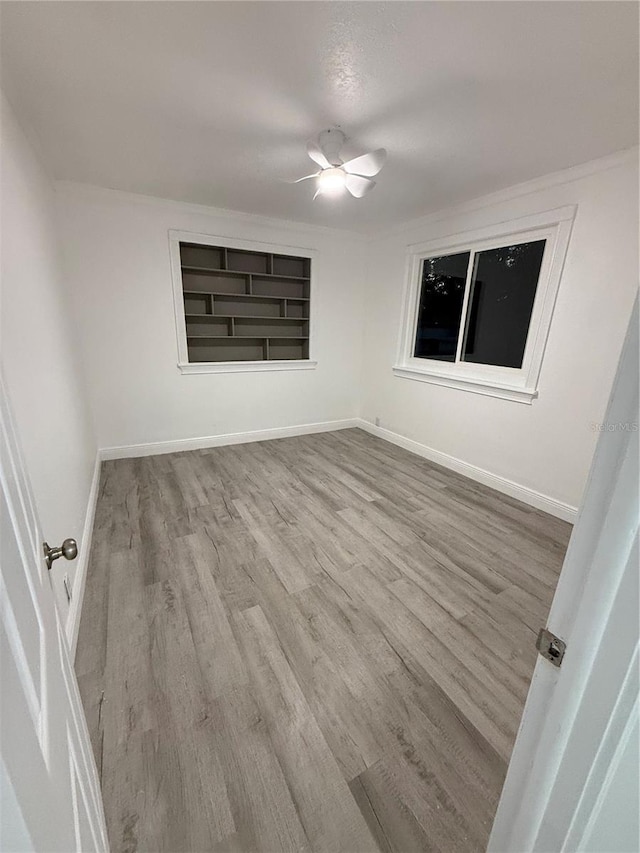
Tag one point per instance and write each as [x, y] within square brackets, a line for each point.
[334, 175]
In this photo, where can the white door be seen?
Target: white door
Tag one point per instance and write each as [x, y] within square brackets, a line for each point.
[50, 796]
[572, 783]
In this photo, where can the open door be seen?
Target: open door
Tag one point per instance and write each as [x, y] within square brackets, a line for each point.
[49, 790]
[572, 783]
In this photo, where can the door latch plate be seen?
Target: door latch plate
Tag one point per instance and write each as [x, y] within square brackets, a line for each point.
[550, 647]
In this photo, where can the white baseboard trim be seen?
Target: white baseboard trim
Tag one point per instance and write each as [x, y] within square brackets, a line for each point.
[179, 444]
[501, 484]
[80, 580]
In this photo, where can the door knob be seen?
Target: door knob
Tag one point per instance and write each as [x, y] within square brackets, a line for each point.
[68, 550]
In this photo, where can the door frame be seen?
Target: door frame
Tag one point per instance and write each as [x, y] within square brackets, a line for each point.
[537, 793]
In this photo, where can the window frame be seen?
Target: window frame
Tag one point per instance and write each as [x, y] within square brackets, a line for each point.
[190, 367]
[509, 383]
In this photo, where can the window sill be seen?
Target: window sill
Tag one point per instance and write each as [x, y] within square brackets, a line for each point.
[246, 366]
[475, 386]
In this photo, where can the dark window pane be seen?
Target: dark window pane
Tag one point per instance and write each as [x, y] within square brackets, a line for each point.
[441, 296]
[503, 287]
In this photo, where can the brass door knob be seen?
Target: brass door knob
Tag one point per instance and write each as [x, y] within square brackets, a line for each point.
[68, 550]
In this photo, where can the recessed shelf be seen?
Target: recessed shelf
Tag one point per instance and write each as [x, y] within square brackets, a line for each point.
[247, 338]
[241, 273]
[241, 261]
[215, 271]
[245, 317]
[247, 296]
[244, 305]
[285, 265]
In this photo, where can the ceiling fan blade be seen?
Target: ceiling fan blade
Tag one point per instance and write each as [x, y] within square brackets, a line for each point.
[314, 151]
[358, 186]
[316, 194]
[367, 164]
[306, 178]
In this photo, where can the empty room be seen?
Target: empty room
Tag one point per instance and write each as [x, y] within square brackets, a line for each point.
[319, 427]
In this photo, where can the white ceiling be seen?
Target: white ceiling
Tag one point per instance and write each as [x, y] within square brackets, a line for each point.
[212, 102]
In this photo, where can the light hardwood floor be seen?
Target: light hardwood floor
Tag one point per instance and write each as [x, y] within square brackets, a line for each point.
[319, 643]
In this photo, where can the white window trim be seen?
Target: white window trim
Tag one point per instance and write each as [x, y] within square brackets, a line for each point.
[516, 384]
[187, 367]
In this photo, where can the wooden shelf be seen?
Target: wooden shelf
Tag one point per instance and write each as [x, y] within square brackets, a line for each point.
[247, 296]
[255, 324]
[214, 271]
[242, 273]
[247, 338]
[246, 317]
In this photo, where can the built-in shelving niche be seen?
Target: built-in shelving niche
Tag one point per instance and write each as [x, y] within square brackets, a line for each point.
[244, 306]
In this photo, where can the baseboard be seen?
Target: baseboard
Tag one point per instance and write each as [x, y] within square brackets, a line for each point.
[179, 444]
[80, 580]
[495, 481]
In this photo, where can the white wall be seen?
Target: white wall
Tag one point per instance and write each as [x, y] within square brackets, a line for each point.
[546, 447]
[37, 354]
[116, 261]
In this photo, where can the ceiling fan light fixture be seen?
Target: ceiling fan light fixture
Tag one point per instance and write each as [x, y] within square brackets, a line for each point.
[332, 181]
[336, 177]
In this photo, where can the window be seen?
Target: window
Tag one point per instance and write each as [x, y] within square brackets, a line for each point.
[239, 306]
[501, 296]
[478, 307]
[440, 310]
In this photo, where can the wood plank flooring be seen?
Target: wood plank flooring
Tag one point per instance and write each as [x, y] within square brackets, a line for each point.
[320, 643]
